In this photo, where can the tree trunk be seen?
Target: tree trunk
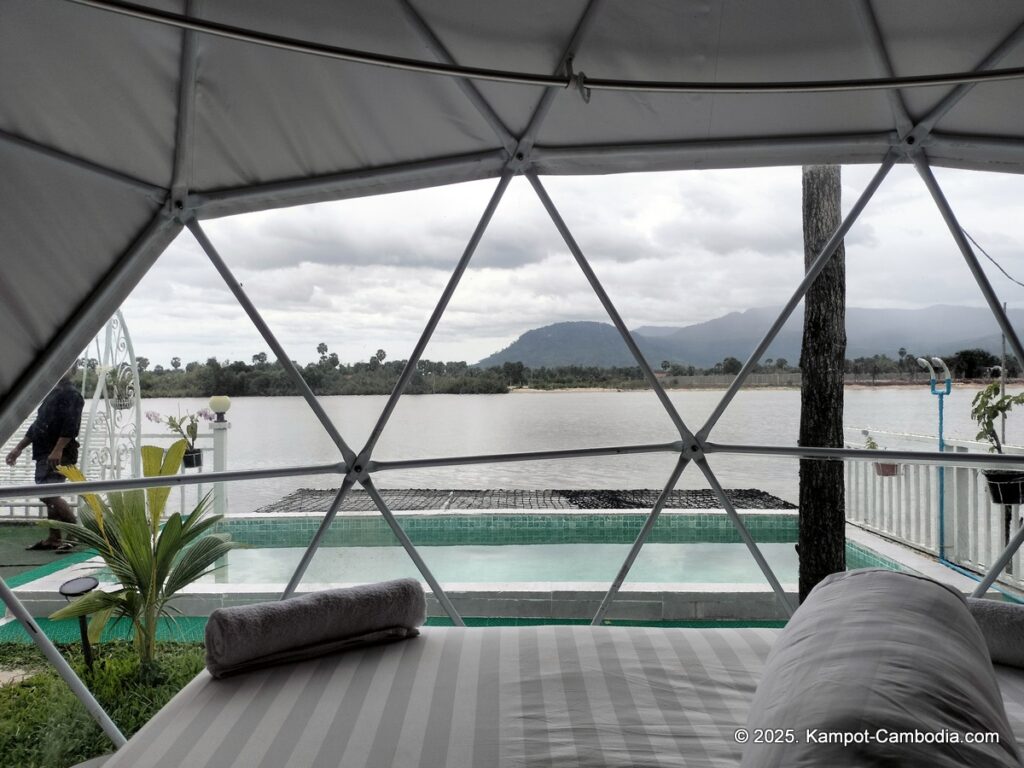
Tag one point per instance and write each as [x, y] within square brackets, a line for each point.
[822, 534]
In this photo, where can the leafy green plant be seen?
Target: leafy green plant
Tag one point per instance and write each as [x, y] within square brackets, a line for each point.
[120, 384]
[987, 406]
[187, 426]
[43, 725]
[870, 443]
[151, 562]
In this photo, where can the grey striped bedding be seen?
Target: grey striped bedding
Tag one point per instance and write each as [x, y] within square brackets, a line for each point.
[514, 696]
[510, 696]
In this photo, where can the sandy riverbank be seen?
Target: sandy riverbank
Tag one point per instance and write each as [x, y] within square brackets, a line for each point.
[972, 384]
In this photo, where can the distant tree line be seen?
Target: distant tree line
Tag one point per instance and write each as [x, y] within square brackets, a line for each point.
[965, 364]
[378, 376]
[326, 376]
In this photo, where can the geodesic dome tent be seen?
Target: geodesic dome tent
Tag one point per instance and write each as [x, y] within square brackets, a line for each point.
[121, 124]
[116, 127]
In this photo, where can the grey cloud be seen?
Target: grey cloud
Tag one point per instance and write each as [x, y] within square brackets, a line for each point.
[669, 248]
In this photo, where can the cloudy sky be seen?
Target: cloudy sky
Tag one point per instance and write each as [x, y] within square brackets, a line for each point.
[670, 248]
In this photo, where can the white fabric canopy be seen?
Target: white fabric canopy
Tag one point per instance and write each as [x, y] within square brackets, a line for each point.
[113, 128]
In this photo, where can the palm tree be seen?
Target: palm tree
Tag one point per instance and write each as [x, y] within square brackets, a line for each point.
[152, 563]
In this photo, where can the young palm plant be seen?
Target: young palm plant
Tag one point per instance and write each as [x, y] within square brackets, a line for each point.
[151, 562]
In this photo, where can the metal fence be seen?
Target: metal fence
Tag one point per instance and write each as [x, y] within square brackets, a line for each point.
[902, 502]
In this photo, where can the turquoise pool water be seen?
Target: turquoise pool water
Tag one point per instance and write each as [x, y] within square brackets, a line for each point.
[705, 562]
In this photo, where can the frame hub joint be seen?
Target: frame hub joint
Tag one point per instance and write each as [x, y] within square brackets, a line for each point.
[693, 449]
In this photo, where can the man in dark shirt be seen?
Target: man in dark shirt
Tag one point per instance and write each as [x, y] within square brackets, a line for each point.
[53, 437]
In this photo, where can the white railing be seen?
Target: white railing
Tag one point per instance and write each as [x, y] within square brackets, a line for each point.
[23, 473]
[905, 506]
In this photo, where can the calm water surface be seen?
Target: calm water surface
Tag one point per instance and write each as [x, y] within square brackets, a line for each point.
[704, 562]
[281, 431]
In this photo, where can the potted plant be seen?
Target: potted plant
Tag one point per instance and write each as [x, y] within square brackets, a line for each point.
[151, 561]
[1004, 486]
[882, 469]
[186, 426]
[119, 386]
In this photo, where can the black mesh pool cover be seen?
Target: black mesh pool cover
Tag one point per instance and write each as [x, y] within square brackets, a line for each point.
[411, 499]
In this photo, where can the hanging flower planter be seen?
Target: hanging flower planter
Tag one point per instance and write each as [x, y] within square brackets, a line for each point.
[187, 427]
[882, 468]
[1005, 487]
[120, 387]
[193, 458]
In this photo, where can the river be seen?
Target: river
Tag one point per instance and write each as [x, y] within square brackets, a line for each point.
[282, 431]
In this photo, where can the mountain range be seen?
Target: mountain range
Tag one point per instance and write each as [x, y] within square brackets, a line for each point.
[937, 330]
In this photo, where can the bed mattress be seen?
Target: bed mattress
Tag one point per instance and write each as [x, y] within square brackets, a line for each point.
[509, 696]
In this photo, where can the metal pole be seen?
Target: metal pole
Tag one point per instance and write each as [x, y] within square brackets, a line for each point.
[755, 551]
[83, 630]
[1002, 387]
[1000, 564]
[435, 317]
[921, 163]
[992, 460]
[942, 486]
[67, 343]
[128, 484]
[526, 141]
[435, 586]
[268, 335]
[349, 184]
[697, 153]
[468, 87]
[498, 458]
[820, 261]
[181, 176]
[899, 109]
[606, 302]
[63, 668]
[150, 191]
[314, 545]
[279, 42]
[925, 126]
[634, 550]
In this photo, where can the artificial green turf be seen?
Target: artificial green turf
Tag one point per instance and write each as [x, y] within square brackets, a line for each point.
[19, 566]
[183, 629]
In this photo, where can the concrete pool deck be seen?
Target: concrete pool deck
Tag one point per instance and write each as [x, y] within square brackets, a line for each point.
[562, 600]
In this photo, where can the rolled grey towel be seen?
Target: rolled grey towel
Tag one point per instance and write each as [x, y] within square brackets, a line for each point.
[1002, 625]
[246, 637]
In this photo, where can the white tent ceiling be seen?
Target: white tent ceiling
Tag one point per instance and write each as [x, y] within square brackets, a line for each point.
[113, 129]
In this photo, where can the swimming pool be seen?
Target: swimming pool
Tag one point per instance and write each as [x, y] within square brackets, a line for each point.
[703, 562]
[530, 565]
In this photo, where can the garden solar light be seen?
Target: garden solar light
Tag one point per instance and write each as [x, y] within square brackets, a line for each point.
[76, 588]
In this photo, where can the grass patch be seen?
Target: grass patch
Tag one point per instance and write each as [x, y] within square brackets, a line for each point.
[43, 725]
[20, 656]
